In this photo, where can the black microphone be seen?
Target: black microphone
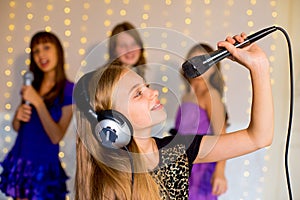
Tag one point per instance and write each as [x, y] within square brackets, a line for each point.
[198, 65]
[28, 78]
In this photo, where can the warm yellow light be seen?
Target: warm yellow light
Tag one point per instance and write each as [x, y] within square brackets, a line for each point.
[11, 27]
[207, 1]
[7, 128]
[166, 57]
[164, 78]
[86, 6]
[9, 84]
[169, 24]
[250, 23]
[49, 7]
[7, 139]
[146, 7]
[27, 27]
[29, 16]
[109, 12]
[83, 63]
[85, 17]
[81, 51]
[107, 23]
[7, 72]
[183, 43]
[168, 2]
[83, 40]
[165, 89]
[274, 14]
[61, 154]
[68, 33]
[188, 10]
[188, 2]
[8, 38]
[10, 50]
[145, 16]
[46, 18]
[163, 45]
[12, 4]
[249, 12]
[67, 22]
[67, 10]
[62, 143]
[188, 21]
[27, 61]
[122, 12]
[7, 116]
[6, 95]
[253, 2]
[10, 61]
[163, 101]
[48, 29]
[273, 3]
[207, 12]
[11, 15]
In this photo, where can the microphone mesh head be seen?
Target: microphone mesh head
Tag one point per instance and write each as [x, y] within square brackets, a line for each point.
[190, 70]
[28, 78]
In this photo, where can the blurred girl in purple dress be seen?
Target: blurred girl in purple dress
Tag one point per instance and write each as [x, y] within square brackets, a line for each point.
[201, 113]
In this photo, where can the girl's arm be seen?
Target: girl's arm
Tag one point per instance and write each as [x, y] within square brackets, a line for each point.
[55, 131]
[259, 133]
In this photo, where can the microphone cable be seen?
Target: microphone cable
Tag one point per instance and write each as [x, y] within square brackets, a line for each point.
[291, 112]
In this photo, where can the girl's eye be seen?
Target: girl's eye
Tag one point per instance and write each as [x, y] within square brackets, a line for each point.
[46, 47]
[138, 93]
[140, 90]
[35, 51]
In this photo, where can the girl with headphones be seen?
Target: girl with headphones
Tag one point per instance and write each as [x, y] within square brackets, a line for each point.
[118, 159]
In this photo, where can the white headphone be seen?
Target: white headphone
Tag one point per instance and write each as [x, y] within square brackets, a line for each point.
[111, 127]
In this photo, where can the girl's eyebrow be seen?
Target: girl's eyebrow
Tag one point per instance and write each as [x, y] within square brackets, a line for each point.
[133, 87]
[136, 86]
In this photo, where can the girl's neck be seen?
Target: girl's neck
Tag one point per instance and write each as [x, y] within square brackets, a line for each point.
[47, 83]
[146, 145]
[199, 85]
[149, 152]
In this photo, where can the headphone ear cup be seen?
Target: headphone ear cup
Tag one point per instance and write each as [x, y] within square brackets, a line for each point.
[113, 129]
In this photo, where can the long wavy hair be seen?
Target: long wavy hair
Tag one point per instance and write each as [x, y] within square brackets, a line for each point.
[60, 78]
[105, 173]
[131, 30]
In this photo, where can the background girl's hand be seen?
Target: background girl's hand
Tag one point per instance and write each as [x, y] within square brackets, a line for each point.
[23, 113]
[29, 94]
[219, 183]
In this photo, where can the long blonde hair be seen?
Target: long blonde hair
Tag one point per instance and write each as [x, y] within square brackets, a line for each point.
[104, 173]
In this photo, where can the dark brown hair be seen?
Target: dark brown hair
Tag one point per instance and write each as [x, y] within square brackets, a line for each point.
[131, 30]
[58, 89]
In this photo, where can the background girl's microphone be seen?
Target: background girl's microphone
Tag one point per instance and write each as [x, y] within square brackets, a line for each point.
[28, 78]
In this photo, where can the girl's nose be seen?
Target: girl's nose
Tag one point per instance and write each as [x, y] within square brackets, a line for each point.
[153, 93]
